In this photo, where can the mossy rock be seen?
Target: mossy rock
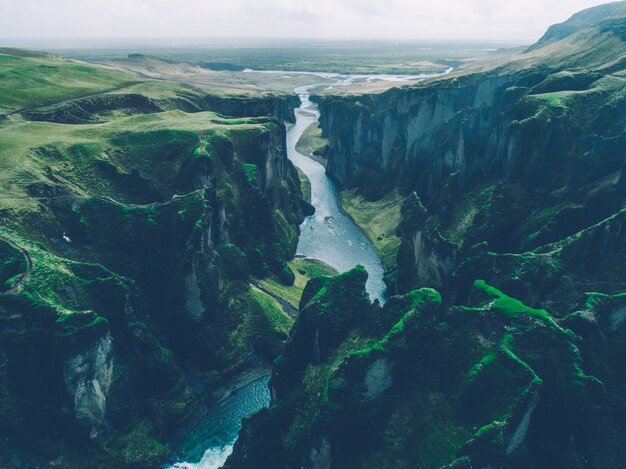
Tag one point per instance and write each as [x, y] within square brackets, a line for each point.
[76, 330]
[138, 448]
[286, 276]
[234, 261]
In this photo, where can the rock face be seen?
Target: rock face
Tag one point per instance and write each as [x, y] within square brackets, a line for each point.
[88, 378]
[519, 155]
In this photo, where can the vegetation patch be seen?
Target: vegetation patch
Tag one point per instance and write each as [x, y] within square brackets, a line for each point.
[304, 270]
[280, 320]
[311, 142]
[379, 220]
[25, 81]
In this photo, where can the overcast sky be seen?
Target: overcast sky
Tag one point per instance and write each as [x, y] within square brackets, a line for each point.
[516, 20]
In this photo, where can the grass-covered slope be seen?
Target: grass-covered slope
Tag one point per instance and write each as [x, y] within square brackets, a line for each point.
[379, 220]
[32, 79]
[131, 222]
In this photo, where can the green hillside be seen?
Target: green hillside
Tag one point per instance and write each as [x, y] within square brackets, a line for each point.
[132, 217]
[28, 80]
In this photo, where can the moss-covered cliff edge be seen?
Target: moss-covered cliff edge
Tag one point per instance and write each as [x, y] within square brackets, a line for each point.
[131, 222]
[491, 383]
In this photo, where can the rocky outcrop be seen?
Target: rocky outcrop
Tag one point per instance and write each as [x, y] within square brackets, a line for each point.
[88, 378]
[88, 110]
[280, 106]
[481, 126]
[94, 109]
[494, 382]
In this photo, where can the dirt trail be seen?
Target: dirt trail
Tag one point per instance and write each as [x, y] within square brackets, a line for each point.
[287, 307]
[29, 266]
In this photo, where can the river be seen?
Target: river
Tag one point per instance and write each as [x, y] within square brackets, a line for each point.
[329, 236]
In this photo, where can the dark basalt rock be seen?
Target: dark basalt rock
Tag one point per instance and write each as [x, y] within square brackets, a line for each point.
[491, 383]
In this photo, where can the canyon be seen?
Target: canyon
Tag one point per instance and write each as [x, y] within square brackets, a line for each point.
[149, 233]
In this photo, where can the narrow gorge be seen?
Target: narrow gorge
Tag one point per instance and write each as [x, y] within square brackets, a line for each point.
[513, 178]
[223, 257]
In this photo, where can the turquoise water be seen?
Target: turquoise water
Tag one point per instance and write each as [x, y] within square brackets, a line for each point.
[207, 444]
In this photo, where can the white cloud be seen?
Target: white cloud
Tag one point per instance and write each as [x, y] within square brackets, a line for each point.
[519, 20]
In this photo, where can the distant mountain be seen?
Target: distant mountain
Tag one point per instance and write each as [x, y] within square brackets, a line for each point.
[600, 16]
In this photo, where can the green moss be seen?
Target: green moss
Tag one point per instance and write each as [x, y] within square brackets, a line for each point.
[410, 305]
[488, 430]
[496, 385]
[369, 351]
[281, 322]
[504, 304]
[73, 324]
[251, 171]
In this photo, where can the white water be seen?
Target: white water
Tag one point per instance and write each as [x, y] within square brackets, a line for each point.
[207, 443]
[213, 458]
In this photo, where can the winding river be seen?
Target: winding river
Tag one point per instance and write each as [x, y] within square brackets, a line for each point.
[329, 236]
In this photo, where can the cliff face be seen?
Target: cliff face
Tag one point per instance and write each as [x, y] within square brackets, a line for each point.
[529, 119]
[503, 124]
[95, 108]
[125, 258]
[518, 155]
[87, 377]
[281, 107]
[514, 211]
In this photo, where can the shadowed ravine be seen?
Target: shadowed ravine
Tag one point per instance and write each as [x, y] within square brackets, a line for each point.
[329, 236]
